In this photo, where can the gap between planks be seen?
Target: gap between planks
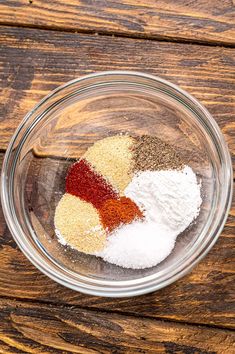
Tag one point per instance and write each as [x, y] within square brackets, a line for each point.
[157, 38]
[68, 307]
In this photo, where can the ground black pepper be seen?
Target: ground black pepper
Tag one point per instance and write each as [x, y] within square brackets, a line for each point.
[151, 153]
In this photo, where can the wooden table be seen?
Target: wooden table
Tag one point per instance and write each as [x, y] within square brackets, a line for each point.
[46, 43]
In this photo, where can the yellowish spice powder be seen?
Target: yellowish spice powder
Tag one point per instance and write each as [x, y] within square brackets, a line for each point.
[79, 224]
[112, 158]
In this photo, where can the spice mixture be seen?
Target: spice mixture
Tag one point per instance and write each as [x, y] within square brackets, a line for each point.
[127, 199]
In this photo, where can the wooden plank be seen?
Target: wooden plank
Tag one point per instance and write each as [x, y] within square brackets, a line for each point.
[36, 328]
[197, 21]
[204, 296]
[34, 62]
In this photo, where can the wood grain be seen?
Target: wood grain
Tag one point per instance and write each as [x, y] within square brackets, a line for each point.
[204, 296]
[36, 328]
[34, 62]
[197, 21]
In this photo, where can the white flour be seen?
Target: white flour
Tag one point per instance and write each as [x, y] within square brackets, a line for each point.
[170, 198]
[171, 201]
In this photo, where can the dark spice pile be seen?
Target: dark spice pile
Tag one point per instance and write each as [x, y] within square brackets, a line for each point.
[151, 153]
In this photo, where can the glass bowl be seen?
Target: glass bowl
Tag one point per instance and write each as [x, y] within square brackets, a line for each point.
[60, 129]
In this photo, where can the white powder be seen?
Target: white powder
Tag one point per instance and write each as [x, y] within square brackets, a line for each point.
[171, 201]
[171, 198]
[61, 238]
[138, 245]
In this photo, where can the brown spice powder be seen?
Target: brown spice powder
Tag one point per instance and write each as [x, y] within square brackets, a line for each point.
[151, 153]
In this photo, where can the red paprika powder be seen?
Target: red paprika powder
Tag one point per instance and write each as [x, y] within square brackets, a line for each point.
[114, 212]
[83, 182]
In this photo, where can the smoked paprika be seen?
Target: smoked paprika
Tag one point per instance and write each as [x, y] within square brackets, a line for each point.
[115, 212]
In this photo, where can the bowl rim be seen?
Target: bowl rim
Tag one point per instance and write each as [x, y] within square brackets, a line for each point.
[109, 288]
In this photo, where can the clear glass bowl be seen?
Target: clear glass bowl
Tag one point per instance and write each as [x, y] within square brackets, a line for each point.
[60, 129]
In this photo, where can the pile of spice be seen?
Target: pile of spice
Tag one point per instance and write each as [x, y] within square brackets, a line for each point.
[151, 153]
[78, 223]
[112, 158]
[83, 182]
[127, 199]
[114, 212]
